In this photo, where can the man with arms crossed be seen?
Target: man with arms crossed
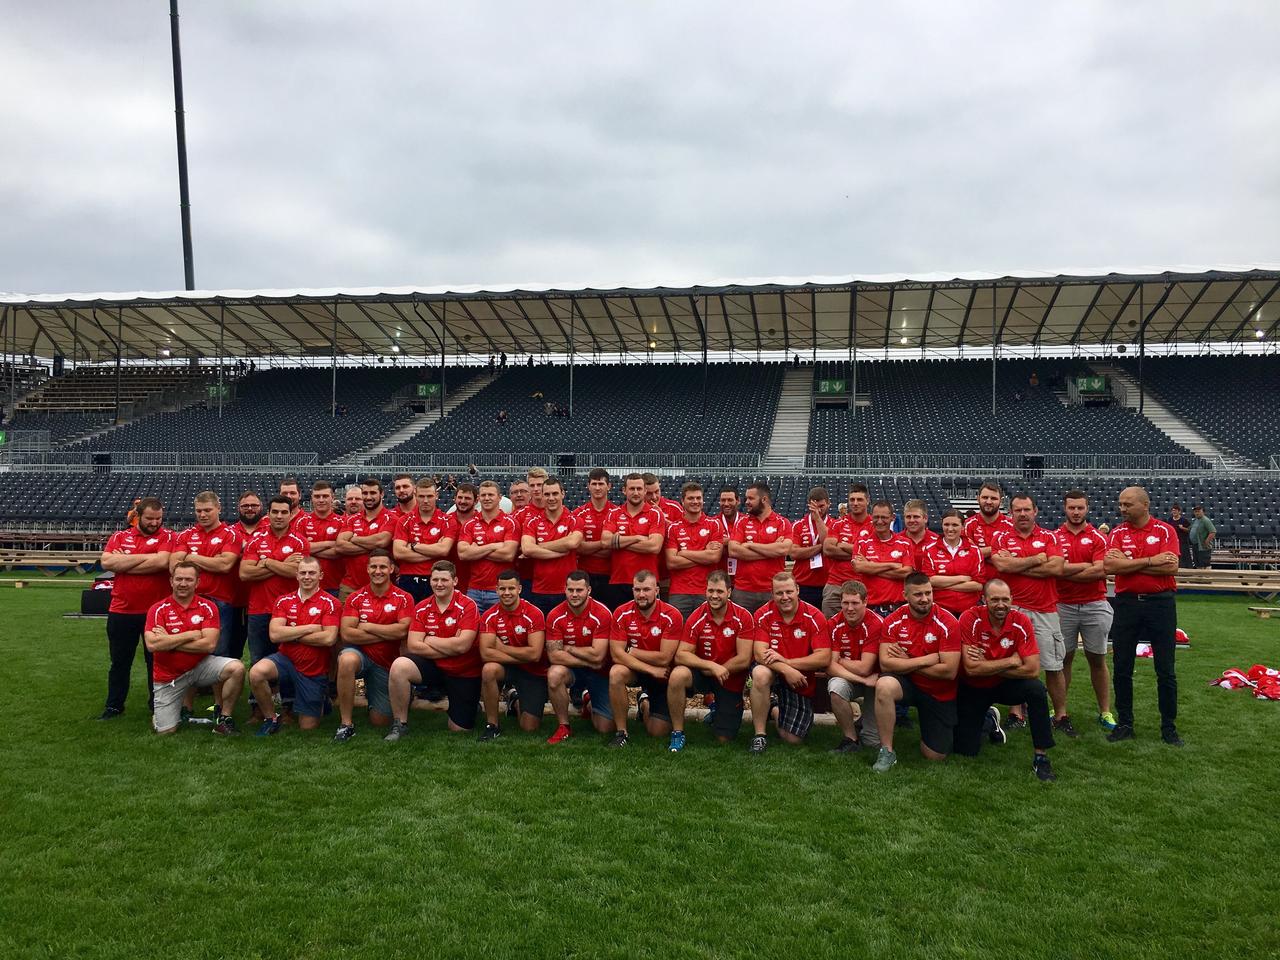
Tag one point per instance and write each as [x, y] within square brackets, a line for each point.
[139, 558]
[915, 520]
[855, 667]
[642, 644]
[635, 533]
[371, 528]
[982, 527]
[809, 533]
[326, 525]
[728, 518]
[883, 560]
[578, 653]
[593, 551]
[694, 548]
[404, 490]
[421, 538]
[463, 511]
[919, 660]
[549, 539]
[1000, 663]
[304, 626]
[760, 543]
[712, 658]
[213, 548]
[791, 646]
[843, 535]
[488, 542]
[181, 633]
[375, 623]
[1143, 557]
[512, 637]
[440, 651]
[1030, 561]
[1083, 609]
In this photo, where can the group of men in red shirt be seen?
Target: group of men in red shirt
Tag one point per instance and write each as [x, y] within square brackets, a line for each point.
[543, 603]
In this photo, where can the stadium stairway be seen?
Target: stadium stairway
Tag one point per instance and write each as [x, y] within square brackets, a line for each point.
[789, 442]
[419, 422]
[1169, 423]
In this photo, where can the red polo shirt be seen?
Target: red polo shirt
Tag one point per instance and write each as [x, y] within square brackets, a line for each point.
[1087, 546]
[1039, 594]
[172, 617]
[848, 531]
[136, 592]
[698, 535]
[212, 543]
[799, 637]
[1154, 537]
[479, 531]
[458, 615]
[938, 632]
[1018, 635]
[756, 576]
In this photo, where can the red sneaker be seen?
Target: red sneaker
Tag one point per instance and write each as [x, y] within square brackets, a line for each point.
[585, 710]
[563, 732]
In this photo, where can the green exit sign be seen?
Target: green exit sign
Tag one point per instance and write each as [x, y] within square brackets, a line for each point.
[832, 386]
[428, 389]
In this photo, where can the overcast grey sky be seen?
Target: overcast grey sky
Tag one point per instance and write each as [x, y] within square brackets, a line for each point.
[399, 143]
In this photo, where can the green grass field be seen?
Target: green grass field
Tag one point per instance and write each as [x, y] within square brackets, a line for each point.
[117, 843]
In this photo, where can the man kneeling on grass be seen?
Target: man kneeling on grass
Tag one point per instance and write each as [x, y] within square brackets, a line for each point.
[512, 637]
[642, 644]
[791, 646]
[375, 622]
[712, 659]
[855, 667]
[304, 624]
[1001, 664]
[182, 631]
[919, 660]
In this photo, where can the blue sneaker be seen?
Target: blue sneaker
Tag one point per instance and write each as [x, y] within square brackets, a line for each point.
[709, 717]
[269, 727]
[677, 741]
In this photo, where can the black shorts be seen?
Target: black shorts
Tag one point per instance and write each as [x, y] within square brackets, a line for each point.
[727, 720]
[937, 717]
[463, 692]
[531, 689]
[657, 691]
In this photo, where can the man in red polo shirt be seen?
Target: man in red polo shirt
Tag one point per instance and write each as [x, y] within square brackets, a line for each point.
[883, 560]
[843, 534]
[488, 542]
[808, 565]
[440, 651]
[405, 491]
[855, 667]
[915, 521]
[1030, 561]
[1083, 609]
[670, 509]
[593, 551]
[550, 539]
[981, 528]
[181, 633]
[535, 505]
[372, 528]
[635, 533]
[791, 646]
[642, 644]
[139, 558]
[304, 627]
[577, 648]
[326, 525]
[954, 566]
[1000, 664]
[1143, 557]
[712, 658]
[421, 538]
[760, 543]
[728, 519]
[269, 564]
[693, 549]
[299, 519]
[375, 623]
[512, 639]
[250, 519]
[463, 510]
[919, 660]
[213, 548]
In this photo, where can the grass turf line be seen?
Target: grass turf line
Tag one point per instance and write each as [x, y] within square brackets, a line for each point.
[121, 844]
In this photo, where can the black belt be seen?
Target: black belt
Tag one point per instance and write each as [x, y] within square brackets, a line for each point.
[1147, 596]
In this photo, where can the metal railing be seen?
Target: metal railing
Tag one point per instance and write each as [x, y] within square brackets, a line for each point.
[158, 461]
[1008, 464]
[564, 462]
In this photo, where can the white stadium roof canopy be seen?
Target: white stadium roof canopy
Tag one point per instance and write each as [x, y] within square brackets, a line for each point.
[937, 311]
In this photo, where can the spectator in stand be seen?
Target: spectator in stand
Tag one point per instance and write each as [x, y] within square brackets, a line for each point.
[1181, 524]
[1202, 535]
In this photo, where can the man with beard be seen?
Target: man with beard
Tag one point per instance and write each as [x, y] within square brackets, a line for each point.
[919, 660]
[855, 667]
[883, 560]
[550, 540]
[843, 535]
[693, 550]
[250, 521]
[712, 659]
[791, 645]
[213, 548]
[375, 622]
[422, 537]
[593, 551]
[326, 525]
[635, 534]
[670, 509]
[512, 637]
[488, 541]
[299, 519]
[915, 520]
[577, 645]
[139, 558]
[642, 643]
[982, 527]
[1083, 609]
[371, 528]
[402, 488]
[810, 533]
[760, 543]
[728, 519]
[462, 511]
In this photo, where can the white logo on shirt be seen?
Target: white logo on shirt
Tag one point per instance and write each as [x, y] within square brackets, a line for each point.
[433, 531]
[895, 554]
[1086, 540]
[450, 621]
[1153, 539]
[314, 611]
[1006, 643]
[388, 607]
[770, 529]
[1037, 543]
[655, 631]
[214, 541]
[286, 549]
[798, 633]
[704, 532]
[197, 619]
[930, 638]
[520, 629]
[727, 631]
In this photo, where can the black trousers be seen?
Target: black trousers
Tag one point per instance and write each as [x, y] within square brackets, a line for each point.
[1145, 618]
[972, 704]
[812, 595]
[124, 633]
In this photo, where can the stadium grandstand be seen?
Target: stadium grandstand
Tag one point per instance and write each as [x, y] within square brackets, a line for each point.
[922, 386]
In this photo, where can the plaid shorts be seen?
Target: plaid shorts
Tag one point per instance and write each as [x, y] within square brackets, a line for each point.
[795, 710]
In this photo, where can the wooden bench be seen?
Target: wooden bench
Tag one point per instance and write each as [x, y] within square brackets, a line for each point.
[1265, 613]
[49, 562]
[1263, 584]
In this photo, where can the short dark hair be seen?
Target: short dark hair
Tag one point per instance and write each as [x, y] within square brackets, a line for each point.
[382, 552]
[248, 493]
[278, 498]
[915, 579]
[445, 566]
[632, 476]
[1023, 495]
[153, 503]
[402, 476]
[509, 574]
[951, 513]
[729, 488]
[577, 576]
[819, 493]
[991, 485]
[691, 487]
[859, 488]
[467, 488]
[1074, 494]
[552, 481]
[371, 482]
[649, 479]
[289, 480]
[321, 485]
[599, 473]
[760, 487]
[882, 503]
[718, 576]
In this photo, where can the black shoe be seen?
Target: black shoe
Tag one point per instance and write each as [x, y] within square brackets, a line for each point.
[1171, 737]
[491, 732]
[995, 732]
[759, 743]
[225, 726]
[1063, 726]
[619, 739]
[344, 733]
[110, 713]
[1043, 769]
[1123, 731]
[847, 745]
[1015, 722]
[513, 703]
